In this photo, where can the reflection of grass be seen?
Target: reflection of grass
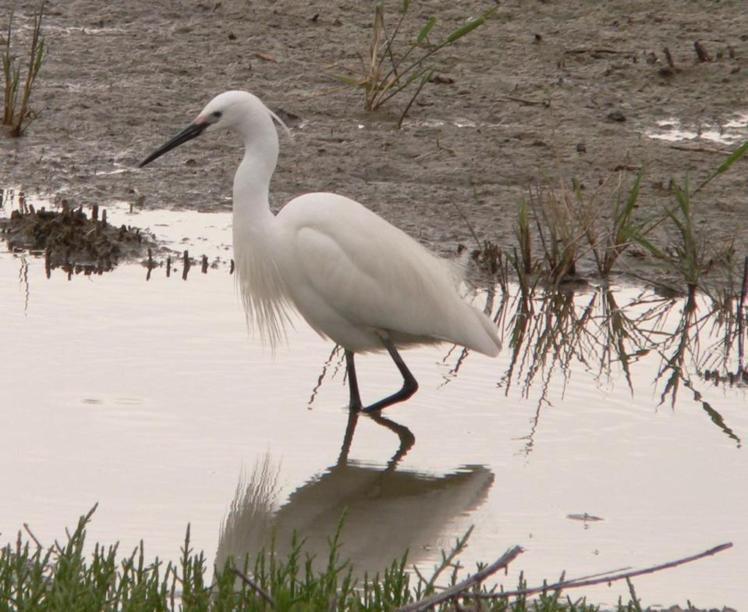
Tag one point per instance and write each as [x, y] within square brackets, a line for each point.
[550, 329]
[557, 332]
[685, 343]
[63, 577]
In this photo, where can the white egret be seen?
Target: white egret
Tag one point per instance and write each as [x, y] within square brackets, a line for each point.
[353, 276]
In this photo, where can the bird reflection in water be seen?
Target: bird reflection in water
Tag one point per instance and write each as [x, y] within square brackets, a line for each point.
[387, 510]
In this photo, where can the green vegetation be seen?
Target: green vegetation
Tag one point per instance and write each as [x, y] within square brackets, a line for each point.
[690, 254]
[617, 235]
[571, 225]
[393, 64]
[65, 577]
[17, 114]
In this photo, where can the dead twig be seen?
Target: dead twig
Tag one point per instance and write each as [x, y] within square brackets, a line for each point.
[32, 536]
[701, 53]
[608, 578]
[254, 586]
[598, 51]
[459, 588]
[669, 58]
[743, 288]
[546, 102]
[691, 149]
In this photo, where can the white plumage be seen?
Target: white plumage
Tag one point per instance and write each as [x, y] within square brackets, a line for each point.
[354, 277]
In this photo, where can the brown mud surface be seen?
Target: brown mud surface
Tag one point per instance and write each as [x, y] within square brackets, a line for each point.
[544, 91]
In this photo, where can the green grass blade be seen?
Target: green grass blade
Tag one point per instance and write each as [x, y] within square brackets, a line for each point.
[638, 237]
[425, 30]
[353, 82]
[633, 195]
[726, 165]
[469, 27]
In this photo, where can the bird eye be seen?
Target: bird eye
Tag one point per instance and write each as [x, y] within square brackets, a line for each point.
[216, 114]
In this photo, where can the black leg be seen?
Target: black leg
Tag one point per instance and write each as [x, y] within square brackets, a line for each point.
[410, 384]
[350, 368]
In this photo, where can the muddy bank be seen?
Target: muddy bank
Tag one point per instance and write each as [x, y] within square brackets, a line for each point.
[543, 91]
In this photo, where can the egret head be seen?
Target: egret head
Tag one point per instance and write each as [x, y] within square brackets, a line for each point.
[231, 109]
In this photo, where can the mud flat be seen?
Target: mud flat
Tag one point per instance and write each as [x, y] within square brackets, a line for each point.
[542, 92]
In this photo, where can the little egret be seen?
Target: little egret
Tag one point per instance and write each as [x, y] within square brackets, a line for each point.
[354, 277]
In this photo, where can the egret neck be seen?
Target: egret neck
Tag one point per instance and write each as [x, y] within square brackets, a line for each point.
[252, 179]
[259, 280]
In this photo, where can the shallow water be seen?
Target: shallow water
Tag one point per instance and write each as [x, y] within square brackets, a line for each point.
[729, 132]
[153, 399]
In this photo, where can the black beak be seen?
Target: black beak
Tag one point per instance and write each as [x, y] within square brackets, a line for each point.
[193, 130]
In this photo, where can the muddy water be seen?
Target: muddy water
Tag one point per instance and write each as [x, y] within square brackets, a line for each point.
[151, 398]
[730, 132]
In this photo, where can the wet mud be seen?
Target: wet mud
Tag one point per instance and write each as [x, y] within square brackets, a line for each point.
[544, 92]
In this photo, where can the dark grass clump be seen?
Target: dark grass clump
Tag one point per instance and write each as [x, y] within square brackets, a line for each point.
[69, 238]
[17, 113]
[565, 230]
[396, 61]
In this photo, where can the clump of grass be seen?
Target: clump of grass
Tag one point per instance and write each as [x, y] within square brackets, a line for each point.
[17, 113]
[572, 225]
[71, 239]
[393, 64]
[562, 221]
[63, 577]
[566, 224]
[609, 243]
[689, 254]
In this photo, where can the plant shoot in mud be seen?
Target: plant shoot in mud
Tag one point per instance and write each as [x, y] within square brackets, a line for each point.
[561, 222]
[571, 224]
[17, 114]
[392, 64]
[610, 242]
[689, 253]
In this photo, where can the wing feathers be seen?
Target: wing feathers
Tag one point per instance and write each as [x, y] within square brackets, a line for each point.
[376, 276]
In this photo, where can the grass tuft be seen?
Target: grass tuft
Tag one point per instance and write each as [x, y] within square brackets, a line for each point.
[65, 577]
[560, 227]
[393, 64]
[17, 113]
